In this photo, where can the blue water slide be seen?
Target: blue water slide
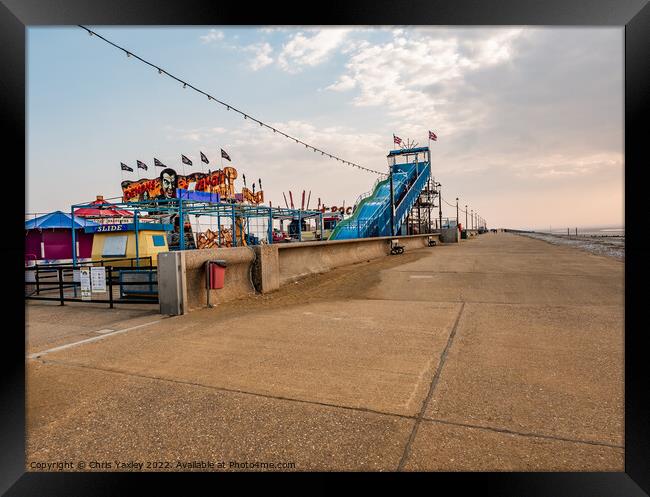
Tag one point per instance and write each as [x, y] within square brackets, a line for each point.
[372, 214]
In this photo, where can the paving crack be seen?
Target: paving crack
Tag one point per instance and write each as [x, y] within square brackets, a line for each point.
[432, 387]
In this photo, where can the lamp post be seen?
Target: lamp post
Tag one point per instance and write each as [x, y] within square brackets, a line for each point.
[472, 216]
[391, 162]
[456, 211]
[440, 205]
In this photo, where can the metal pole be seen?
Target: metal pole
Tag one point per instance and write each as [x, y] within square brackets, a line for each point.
[472, 216]
[218, 227]
[440, 204]
[300, 224]
[137, 242]
[392, 203]
[466, 227]
[429, 202]
[74, 237]
[181, 225]
[110, 285]
[74, 248]
[234, 227]
[270, 230]
[60, 273]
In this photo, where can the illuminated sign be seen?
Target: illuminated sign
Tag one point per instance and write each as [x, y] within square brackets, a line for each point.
[221, 182]
[342, 210]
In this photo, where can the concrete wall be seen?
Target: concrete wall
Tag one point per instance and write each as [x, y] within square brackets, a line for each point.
[265, 268]
[238, 280]
[451, 235]
[302, 259]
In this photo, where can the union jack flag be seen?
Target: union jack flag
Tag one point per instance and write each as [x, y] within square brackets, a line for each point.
[397, 140]
[432, 136]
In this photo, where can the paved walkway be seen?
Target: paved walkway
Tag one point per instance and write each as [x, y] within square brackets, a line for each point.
[502, 353]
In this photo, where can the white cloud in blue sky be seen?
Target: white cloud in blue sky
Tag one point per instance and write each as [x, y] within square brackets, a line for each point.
[529, 120]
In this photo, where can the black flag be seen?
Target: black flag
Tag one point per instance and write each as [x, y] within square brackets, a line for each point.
[157, 163]
[125, 167]
[186, 160]
[142, 165]
[224, 154]
[260, 182]
[204, 158]
[244, 178]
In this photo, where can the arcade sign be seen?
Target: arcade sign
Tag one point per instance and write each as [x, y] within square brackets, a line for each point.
[221, 182]
[342, 210]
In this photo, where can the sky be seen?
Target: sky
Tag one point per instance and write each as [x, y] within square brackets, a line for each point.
[529, 120]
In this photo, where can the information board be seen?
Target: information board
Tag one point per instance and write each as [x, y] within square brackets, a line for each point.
[98, 279]
[84, 277]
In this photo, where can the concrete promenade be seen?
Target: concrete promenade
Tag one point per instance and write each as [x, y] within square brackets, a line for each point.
[501, 353]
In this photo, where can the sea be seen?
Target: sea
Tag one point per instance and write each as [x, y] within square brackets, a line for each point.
[586, 231]
[601, 240]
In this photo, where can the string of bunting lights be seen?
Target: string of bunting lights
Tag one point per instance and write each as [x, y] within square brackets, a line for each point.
[228, 106]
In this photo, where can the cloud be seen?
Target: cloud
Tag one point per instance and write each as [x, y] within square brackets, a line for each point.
[213, 35]
[399, 74]
[302, 50]
[262, 57]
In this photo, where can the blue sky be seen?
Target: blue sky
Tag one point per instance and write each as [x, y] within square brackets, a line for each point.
[529, 120]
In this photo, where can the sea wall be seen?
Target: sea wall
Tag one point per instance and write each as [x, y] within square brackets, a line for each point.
[265, 268]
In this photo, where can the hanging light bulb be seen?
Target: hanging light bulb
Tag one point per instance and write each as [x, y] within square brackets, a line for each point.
[159, 71]
[184, 85]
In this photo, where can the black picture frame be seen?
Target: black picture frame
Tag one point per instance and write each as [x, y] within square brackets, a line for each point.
[634, 15]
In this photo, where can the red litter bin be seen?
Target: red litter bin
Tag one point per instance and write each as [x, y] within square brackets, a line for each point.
[216, 274]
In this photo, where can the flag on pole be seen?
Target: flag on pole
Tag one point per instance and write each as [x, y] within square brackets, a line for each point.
[397, 140]
[186, 160]
[244, 178]
[224, 154]
[142, 165]
[157, 163]
[125, 167]
[204, 158]
[432, 136]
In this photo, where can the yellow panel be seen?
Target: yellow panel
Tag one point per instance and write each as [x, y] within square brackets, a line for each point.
[145, 246]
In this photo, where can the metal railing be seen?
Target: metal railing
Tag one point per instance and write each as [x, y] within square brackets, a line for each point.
[42, 282]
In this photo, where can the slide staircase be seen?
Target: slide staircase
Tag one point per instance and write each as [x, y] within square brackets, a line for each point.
[371, 216]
